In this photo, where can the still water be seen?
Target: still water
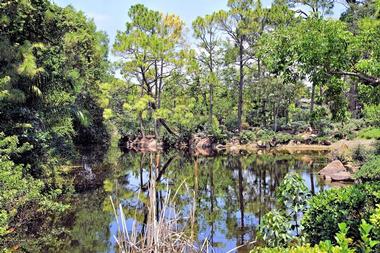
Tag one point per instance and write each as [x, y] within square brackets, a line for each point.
[230, 193]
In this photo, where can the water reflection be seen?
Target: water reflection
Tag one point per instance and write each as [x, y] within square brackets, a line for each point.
[227, 195]
[232, 193]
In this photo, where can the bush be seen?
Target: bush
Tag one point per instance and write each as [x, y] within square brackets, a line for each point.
[344, 243]
[360, 153]
[350, 205]
[20, 193]
[372, 114]
[277, 226]
[247, 136]
[370, 171]
[283, 138]
[370, 133]
[349, 130]
[265, 135]
[377, 148]
[299, 126]
[274, 229]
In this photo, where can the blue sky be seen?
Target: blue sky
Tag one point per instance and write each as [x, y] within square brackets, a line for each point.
[111, 15]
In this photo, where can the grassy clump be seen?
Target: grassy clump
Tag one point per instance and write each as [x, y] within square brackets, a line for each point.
[370, 133]
[360, 154]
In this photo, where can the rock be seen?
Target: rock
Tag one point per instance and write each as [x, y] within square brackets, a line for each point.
[220, 147]
[272, 143]
[342, 176]
[332, 168]
[327, 143]
[291, 143]
[261, 144]
[148, 145]
[351, 167]
[335, 171]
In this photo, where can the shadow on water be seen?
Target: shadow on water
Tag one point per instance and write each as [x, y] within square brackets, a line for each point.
[232, 193]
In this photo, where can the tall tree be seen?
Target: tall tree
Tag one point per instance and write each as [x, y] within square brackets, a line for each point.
[240, 24]
[149, 49]
[206, 31]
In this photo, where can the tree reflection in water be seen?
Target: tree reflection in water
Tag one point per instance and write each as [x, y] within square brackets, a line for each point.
[228, 195]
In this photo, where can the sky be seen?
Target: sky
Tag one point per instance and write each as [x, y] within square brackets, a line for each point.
[111, 15]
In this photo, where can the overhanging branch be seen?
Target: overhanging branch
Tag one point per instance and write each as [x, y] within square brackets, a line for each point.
[371, 80]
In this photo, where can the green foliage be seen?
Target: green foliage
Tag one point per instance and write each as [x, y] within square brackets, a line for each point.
[274, 229]
[360, 154]
[342, 240]
[247, 136]
[370, 133]
[52, 61]
[372, 114]
[350, 205]
[265, 135]
[367, 244]
[293, 194]
[17, 190]
[375, 219]
[344, 243]
[377, 148]
[369, 171]
[283, 137]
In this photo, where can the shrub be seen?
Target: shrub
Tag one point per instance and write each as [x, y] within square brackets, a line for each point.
[299, 126]
[375, 219]
[370, 171]
[370, 133]
[372, 114]
[247, 136]
[274, 229]
[345, 244]
[359, 153]
[377, 148]
[265, 135]
[349, 130]
[20, 193]
[292, 194]
[350, 205]
[277, 226]
[283, 137]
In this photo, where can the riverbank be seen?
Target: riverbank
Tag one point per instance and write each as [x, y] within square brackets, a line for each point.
[341, 145]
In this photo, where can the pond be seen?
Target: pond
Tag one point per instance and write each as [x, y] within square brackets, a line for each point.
[230, 194]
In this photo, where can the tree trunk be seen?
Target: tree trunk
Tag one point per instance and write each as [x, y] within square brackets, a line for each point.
[156, 124]
[241, 84]
[211, 88]
[312, 99]
[275, 118]
[352, 98]
[140, 116]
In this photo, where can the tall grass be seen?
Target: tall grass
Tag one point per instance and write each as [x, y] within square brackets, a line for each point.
[164, 231]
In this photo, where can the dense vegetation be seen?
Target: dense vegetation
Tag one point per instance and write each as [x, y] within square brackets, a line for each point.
[277, 68]
[52, 63]
[256, 73]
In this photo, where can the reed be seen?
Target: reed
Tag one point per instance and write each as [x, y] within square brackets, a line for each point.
[165, 234]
